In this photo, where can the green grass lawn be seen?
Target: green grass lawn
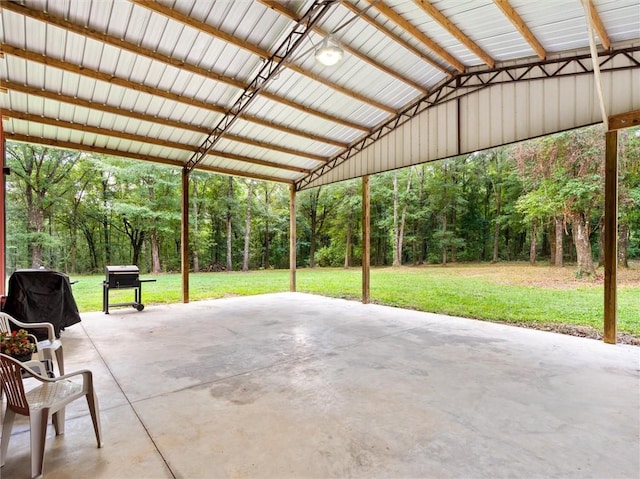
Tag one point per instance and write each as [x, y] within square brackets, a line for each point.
[507, 293]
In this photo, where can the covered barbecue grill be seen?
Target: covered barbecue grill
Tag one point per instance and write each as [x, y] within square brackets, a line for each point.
[41, 295]
[123, 277]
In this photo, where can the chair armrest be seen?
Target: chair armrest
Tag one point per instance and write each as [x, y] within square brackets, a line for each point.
[48, 326]
[87, 376]
[85, 373]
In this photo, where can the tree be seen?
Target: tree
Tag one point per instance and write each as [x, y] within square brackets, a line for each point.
[582, 179]
[537, 205]
[628, 192]
[143, 206]
[497, 174]
[266, 214]
[247, 227]
[230, 202]
[42, 175]
[399, 223]
[445, 197]
[77, 217]
[316, 208]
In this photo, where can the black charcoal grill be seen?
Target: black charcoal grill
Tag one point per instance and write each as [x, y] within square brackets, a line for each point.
[123, 277]
[41, 295]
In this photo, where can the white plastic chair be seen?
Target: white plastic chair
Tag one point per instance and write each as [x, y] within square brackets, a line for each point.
[48, 399]
[46, 347]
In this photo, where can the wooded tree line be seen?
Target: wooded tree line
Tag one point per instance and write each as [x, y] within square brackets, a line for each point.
[540, 200]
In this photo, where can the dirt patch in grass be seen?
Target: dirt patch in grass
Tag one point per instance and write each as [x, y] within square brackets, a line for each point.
[566, 278]
[539, 275]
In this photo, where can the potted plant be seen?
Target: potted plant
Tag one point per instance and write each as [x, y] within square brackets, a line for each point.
[17, 344]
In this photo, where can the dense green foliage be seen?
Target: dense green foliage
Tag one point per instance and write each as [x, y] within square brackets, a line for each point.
[539, 201]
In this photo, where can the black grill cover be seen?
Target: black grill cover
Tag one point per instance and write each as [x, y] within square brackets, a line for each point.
[37, 296]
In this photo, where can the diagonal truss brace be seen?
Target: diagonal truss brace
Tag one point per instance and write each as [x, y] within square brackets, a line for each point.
[269, 70]
[464, 84]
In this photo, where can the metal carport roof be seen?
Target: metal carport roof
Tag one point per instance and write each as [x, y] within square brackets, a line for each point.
[151, 80]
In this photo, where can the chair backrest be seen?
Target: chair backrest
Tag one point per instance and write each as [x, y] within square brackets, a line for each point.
[5, 323]
[12, 385]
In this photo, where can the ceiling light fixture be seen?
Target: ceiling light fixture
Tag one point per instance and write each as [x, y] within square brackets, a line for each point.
[329, 53]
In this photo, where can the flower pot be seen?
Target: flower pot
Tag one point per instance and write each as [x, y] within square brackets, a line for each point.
[22, 357]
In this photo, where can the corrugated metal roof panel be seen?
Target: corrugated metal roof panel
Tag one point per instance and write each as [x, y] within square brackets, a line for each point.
[251, 151]
[622, 20]
[553, 23]
[432, 29]
[558, 26]
[296, 119]
[13, 28]
[248, 169]
[269, 135]
[497, 37]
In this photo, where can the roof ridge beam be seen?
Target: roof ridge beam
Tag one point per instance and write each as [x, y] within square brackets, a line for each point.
[139, 50]
[9, 85]
[290, 14]
[135, 156]
[70, 67]
[522, 27]
[450, 27]
[185, 19]
[417, 34]
[143, 139]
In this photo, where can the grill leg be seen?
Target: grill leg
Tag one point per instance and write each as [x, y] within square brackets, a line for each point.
[105, 298]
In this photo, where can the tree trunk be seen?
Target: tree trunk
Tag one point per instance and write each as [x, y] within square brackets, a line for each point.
[195, 256]
[229, 200]
[137, 248]
[534, 237]
[105, 221]
[559, 250]
[601, 241]
[155, 244]
[313, 219]
[247, 228]
[486, 232]
[267, 204]
[36, 225]
[496, 231]
[396, 233]
[348, 247]
[419, 227]
[91, 245]
[583, 246]
[155, 252]
[75, 225]
[444, 243]
[624, 238]
[403, 220]
[136, 239]
[74, 245]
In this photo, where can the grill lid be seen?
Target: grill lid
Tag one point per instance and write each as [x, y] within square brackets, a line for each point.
[122, 269]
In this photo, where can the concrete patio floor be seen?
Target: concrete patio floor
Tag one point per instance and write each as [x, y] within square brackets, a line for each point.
[293, 386]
